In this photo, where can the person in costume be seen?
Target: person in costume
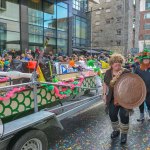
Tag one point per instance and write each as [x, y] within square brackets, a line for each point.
[144, 72]
[110, 78]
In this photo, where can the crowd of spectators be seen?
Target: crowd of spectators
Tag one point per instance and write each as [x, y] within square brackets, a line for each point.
[12, 60]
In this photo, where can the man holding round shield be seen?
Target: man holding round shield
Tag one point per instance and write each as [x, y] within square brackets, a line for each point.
[122, 91]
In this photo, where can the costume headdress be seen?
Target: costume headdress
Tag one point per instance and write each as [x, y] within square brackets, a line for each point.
[144, 55]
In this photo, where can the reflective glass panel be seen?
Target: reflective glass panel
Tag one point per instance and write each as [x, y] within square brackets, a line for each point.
[62, 18]
[10, 10]
[10, 25]
[50, 15]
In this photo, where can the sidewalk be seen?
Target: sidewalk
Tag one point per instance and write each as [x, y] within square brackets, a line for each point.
[91, 131]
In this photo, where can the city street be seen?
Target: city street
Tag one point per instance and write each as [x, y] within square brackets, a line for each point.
[59, 59]
[90, 130]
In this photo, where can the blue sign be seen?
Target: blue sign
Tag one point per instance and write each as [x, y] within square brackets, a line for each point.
[64, 69]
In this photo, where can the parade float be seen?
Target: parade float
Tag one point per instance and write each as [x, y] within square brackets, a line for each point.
[19, 100]
[40, 97]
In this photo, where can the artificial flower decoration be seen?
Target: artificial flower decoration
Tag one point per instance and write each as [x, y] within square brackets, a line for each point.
[72, 63]
[90, 63]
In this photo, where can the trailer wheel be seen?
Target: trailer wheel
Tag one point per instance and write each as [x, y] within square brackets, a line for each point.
[32, 140]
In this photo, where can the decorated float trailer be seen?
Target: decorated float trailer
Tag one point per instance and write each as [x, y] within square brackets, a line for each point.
[26, 109]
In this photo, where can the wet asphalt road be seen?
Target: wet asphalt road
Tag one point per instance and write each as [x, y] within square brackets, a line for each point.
[90, 130]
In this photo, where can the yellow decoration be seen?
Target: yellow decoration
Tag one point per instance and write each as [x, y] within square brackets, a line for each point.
[1, 63]
[41, 76]
[104, 64]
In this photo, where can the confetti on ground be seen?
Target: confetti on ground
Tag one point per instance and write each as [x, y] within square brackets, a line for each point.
[91, 131]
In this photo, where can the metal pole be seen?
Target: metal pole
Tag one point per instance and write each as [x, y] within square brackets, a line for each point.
[17, 85]
[91, 31]
[34, 77]
[144, 43]
[124, 28]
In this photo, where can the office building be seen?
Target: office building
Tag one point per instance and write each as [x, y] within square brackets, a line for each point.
[28, 24]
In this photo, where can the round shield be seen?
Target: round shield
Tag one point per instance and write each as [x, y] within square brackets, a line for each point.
[130, 91]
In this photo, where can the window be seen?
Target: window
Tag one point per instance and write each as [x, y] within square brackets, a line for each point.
[62, 18]
[108, 1]
[9, 25]
[147, 5]
[147, 37]
[147, 16]
[80, 5]
[118, 31]
[118, 19]
[35, 30]
[108, 10]
[108, 21]
[147, 46]
[79, 31]
[119, 7]
[2, 4]
[118, 43]
[97, 23]
[147, 26]
[62, 27]
[95, 34]
[98, 12]
[35, 23]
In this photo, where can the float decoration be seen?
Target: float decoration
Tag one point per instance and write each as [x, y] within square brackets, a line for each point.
[90, 63]
[48, 87]
[4, 79]
[11, 93]
[64, 92]
[55, 80]
[72, 63]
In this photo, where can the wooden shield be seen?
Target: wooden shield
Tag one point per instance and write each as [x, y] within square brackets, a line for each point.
[130, 91]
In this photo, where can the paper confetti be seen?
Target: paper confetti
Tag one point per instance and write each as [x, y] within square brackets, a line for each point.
[91, 131]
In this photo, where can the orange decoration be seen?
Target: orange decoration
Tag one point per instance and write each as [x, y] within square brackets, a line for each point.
[72, 63]
[31, 64]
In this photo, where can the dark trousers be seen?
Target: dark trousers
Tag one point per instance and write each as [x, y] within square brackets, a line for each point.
[147, 102]
[114, 111]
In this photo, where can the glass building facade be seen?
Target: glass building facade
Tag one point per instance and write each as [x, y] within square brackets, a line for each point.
[80, 24]
[28, 24]
[9, 24]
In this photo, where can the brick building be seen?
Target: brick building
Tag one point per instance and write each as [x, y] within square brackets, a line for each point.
[144, 33]
[115, 25]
